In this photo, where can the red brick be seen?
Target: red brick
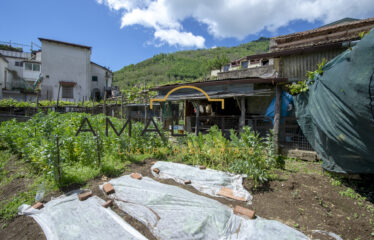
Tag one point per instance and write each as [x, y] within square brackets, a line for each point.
[202, 167]
[108, 203]
[187, 182]
[156, 170]
[227, 192]
[38, 205]
[245, 212]
[85, 195]
[108, 188]
[136, 176]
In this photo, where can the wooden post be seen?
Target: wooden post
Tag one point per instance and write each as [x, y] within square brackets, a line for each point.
[242, 114]
[93, 106]
[104, 107]
[145, 109]
[37, 102]
[121, 106]
[58, 161]
[162, 114]
[277, 116]
[98, 150]
[58, 95]
[197, 109]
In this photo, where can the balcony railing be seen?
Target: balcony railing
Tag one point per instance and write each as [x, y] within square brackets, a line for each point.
[267, 71]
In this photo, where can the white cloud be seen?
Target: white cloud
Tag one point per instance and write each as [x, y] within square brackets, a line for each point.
[174, 37]
[230, 18]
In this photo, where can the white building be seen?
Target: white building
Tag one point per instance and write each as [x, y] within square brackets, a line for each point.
[3, 73]
[19, 73]
[69, 74]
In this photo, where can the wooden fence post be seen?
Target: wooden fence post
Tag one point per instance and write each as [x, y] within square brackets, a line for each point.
[93, 105]
[104, 107]
[121, 106]
[58, 161]
[98, 150]
[277, 116]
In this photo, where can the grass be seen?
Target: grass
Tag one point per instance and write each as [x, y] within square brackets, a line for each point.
[9, 206]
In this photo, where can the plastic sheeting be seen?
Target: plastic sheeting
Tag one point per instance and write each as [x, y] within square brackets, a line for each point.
[68, 218]
[208, 181]
[336, 115]
[286, 107]
[171, 212]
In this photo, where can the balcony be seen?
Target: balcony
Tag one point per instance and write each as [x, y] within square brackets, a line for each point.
[267, 71]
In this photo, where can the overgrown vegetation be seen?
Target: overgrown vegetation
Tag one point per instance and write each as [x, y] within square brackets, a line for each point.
[183, 66]
[81, 157]
[246, 154]
[9, 102]
[85, 156]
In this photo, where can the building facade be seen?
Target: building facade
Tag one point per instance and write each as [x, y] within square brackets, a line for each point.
[68, 73]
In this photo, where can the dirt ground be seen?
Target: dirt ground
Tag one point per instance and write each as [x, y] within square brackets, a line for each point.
[301, 196]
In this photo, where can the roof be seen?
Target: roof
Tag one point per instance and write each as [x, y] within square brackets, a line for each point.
[338, 32]
[105, 68]
[222, 82]
[64, 43]
[330, 36]
[2, 57]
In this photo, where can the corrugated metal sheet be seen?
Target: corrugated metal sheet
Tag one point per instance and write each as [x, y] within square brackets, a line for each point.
[295, 67]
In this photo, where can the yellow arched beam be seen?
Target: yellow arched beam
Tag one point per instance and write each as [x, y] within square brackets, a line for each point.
[191, 87]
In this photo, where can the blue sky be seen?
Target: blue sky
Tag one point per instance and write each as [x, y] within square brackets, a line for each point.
[151, 27]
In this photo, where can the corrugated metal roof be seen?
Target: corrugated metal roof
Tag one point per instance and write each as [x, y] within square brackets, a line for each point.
[222, 82]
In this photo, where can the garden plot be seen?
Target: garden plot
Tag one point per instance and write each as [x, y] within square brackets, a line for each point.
[171, 212]
[68, 218]
[209, 181]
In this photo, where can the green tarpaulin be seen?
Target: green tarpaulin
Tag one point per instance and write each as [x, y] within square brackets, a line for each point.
[337, 113]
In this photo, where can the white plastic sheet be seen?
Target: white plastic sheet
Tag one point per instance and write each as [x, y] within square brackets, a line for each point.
[68, 218]
[171, 212]
[208, 181]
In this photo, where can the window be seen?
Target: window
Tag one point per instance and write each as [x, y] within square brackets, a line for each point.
[28, 66]
[18, 64]
[94, 78]
[244, 64]
[36, 67]
[67, 92]
[226, 68]
[32, 66]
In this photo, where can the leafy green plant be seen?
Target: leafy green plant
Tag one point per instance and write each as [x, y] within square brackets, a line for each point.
[303, 86]
[35, 142]
[246, 153]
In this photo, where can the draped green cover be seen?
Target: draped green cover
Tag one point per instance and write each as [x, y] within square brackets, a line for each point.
[337, 113]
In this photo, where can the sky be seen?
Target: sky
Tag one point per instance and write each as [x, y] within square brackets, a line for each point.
[123, 32]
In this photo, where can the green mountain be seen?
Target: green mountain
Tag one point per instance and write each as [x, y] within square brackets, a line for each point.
[183, 66]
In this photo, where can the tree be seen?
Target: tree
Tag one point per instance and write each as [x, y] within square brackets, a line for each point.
[218, 62]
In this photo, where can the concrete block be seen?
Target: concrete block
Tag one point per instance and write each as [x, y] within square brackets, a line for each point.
[85, 195]
[136, 176]
[227, 192]
[245, 212]
[108, 188]
[38, 205]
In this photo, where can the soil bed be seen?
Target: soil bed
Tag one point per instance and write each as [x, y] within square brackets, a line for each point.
[302, 196]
